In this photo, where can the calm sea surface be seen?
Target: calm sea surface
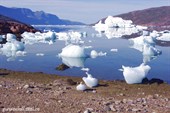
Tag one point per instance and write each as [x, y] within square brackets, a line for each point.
[103, 67]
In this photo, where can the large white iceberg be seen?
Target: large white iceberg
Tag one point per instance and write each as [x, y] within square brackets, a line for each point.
[117, 22]
[116, 27]
[73, 51]
[134, 75]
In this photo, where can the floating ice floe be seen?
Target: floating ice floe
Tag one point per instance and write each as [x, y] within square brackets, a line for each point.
[134, 75]
[74, 61]
[95, 54]
[73, 51]
[81, 87]
[88, 47]
[90, 81]
[31, 38]
[40, 54]
[12, 48]
[85, 69]
[114, 50]
[71, 37]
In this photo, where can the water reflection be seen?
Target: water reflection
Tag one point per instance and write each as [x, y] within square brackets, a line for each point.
[74, 62]
[146, 45]
[116, 32]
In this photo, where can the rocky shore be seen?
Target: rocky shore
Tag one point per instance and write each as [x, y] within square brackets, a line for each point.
[42, 93]
[8, 25]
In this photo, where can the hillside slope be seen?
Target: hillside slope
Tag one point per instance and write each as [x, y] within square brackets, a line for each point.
[37, 18]
[8, 25]
[159, 16]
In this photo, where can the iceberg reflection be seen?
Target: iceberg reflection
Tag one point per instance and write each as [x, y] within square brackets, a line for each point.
[73, 62]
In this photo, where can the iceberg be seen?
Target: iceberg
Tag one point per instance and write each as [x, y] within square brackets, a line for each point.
[90, 81]
[116, 27]
[31, 38]
[135, 75]
[117, 22]
[73, 51]
[12, 48]
[71, 37]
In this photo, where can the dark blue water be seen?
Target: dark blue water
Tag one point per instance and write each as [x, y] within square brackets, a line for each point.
[104, 67]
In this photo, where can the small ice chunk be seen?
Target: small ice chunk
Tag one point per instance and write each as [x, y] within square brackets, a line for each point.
[81, 87]
[88, 47]
[94, 54]
[90, 81]
[85, 69]
[40, 54]
[114, 50]
[134, 75]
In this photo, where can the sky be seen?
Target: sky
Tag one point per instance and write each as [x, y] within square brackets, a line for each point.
[87, 11]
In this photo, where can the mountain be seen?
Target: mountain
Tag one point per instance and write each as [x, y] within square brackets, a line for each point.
[8, 25]
[34, 18]
[152, 17]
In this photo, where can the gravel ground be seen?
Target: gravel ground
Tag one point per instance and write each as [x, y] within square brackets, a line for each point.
[42, 93]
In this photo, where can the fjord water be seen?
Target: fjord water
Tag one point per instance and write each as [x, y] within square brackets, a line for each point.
[103, 67]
